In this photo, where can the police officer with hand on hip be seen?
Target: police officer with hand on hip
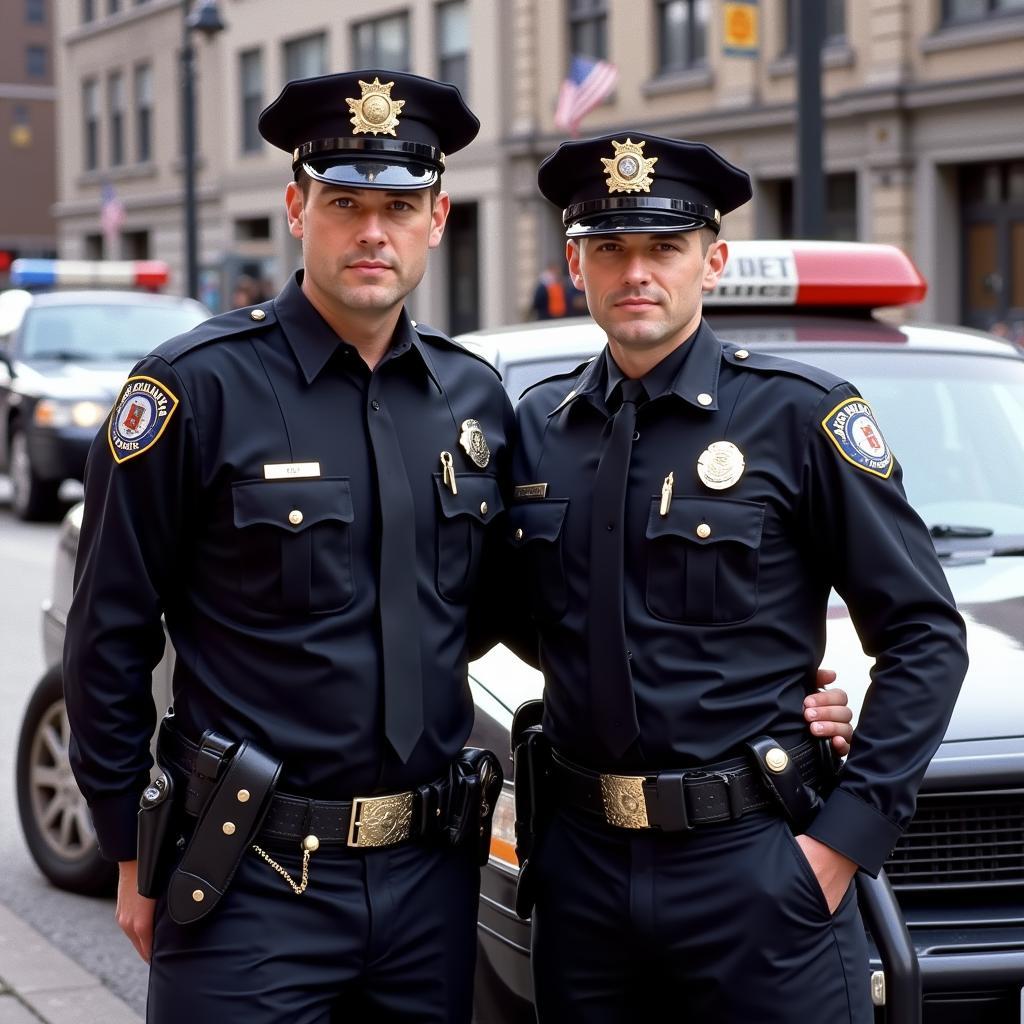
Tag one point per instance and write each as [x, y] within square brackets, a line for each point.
[301, 489]
[683, 508]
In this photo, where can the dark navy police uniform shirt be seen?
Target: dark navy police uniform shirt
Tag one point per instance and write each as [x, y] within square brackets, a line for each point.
[270, 587]
[725, 624]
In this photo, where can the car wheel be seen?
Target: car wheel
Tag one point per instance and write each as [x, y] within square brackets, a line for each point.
[32, 498]
[54, 815]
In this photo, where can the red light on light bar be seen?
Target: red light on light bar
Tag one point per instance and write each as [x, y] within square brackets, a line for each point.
[799, 273]
[855, 274]
[151, 273]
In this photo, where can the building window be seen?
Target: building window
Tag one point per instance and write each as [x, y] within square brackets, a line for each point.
[588, 29]
[135, 245]
[250, 75]
[35, 12]
[113, 6]
[92, 246]
[305, 57]
[840, 207]
[35, 61]
[21, 127]
[115, 107]
[835, 23]
[453, 44]
[252, 229]
[382, 43]
[683, 34]
[91, 123]
[143, 113]
[88, 10]
[956, 11]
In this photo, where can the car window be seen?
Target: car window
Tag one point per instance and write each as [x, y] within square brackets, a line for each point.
[101, 333]
[519, 375]
[955, 423]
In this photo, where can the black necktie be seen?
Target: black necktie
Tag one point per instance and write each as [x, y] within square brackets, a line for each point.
[399, 601]
[611, 685]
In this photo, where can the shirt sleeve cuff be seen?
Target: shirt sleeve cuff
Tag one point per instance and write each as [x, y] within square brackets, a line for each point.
[116, 821]
[856, 830]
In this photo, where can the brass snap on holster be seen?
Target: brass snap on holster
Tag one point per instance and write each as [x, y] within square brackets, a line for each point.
[238, 782]
[781, 776]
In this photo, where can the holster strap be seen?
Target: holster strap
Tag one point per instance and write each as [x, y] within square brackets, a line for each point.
[674, 801]
[227, 824]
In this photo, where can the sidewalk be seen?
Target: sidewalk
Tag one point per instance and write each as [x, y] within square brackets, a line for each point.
[39, 983]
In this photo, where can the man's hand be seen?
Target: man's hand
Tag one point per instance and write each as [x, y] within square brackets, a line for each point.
[833, 871]
[828, 713]
[134, 913]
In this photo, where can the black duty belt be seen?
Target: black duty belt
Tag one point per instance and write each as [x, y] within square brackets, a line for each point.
[676, 801]
[368, 821]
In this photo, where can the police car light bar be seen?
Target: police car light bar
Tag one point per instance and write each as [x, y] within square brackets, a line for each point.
[799, 273]
[31, 273]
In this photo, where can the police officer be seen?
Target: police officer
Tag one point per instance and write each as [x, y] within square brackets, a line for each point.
[301, 489]
[683, 507]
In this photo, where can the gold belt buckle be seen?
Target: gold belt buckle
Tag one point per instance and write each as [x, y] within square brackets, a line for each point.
[623, 798]
[380, 820]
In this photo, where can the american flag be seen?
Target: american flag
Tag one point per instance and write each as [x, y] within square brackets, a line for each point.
[111, 213]
[588, 83]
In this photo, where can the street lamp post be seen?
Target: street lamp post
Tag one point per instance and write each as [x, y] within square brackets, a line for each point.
[204, 18]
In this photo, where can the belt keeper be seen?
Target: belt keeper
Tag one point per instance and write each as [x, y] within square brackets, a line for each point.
[673, 816]
[732, 795]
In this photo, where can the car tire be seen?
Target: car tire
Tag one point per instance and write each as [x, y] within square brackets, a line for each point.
[54, 815]
[32, 498]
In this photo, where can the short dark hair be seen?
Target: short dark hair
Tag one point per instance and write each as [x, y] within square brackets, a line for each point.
[303, 180]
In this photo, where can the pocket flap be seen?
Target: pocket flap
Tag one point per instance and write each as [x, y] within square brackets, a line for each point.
[479, 496]
[536, 520]
[708, 520]
[292, 505]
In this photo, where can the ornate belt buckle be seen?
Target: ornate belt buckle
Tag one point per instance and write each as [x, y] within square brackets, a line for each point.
[380, 820]
[623, 799]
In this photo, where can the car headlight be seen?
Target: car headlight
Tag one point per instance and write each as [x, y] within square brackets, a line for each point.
[49, 412]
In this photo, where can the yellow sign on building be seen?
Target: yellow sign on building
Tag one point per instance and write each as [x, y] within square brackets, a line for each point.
[741, 29]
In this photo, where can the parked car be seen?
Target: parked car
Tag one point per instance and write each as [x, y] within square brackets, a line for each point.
[63, 361]
[951, 402]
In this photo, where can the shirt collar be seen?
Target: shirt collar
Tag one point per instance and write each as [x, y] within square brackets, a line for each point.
[313, 341]
[659, 380]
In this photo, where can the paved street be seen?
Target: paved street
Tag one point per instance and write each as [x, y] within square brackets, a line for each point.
[81, 928]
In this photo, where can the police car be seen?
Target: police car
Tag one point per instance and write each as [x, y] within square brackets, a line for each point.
[951, 402]
[70, 331]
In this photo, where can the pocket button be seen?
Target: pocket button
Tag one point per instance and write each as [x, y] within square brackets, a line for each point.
[295, 517]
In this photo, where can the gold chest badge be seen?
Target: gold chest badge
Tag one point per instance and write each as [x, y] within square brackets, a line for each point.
[375, 112]
[629, 170]
[720, 465]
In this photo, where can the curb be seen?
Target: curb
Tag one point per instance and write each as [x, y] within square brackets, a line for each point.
[39, 983]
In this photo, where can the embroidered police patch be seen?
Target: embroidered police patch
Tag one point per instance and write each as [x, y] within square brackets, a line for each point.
[851, 426]
[140, 415]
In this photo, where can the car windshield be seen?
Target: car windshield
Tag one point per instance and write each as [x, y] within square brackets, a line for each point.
[955, 422]
[114, 332]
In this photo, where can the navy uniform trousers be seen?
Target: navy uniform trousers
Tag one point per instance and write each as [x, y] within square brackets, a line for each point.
[378, 936]
[722, 925]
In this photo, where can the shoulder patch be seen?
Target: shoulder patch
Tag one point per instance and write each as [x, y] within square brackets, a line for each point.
[564, 375]
[139, 417]
[763, 361]
[852, 428]
[224, 325]
[432, 333]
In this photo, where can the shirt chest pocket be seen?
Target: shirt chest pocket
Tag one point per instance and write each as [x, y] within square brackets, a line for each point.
[461, 527]
[295, 543]
[535, 533]
[702, 560]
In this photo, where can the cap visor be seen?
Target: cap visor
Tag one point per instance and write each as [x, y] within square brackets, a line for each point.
[625, 222]
[372, 174]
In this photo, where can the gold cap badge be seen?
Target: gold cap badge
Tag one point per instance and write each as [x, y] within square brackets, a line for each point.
[629, 170]
[375, 111]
